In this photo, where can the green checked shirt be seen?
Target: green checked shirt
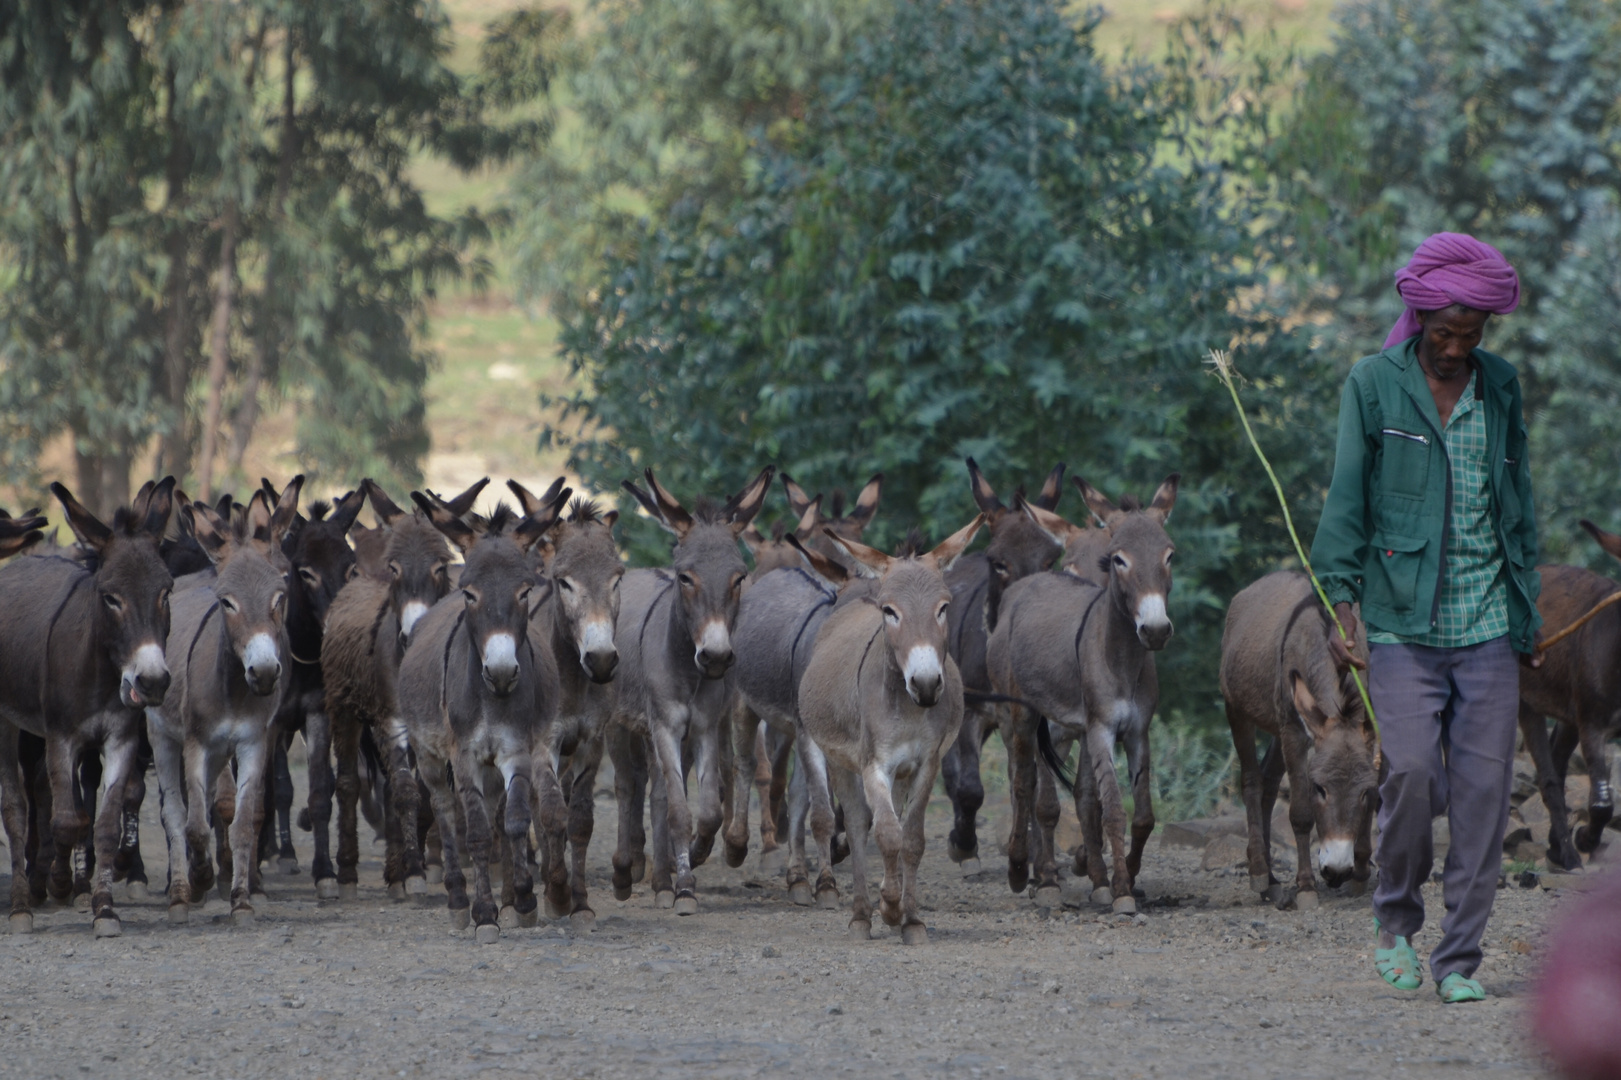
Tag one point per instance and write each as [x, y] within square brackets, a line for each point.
[1474, 591]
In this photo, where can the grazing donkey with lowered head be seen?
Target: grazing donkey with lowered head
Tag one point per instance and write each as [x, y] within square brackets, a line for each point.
[228, 652]
[367, 628]
[675, 639]
[1018, 548]
[477, 693]
[1278, 676]
[1080, 655]
[574, 616]
[81, 655]
[880, 701]
[1579, 685]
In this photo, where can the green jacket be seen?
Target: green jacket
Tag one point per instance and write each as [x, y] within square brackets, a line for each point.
[1382, 537]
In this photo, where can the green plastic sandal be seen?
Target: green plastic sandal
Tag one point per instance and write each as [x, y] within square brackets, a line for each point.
[1399, 966]
[1455, 989]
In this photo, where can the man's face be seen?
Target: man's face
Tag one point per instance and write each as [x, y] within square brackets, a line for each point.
[1447, 337]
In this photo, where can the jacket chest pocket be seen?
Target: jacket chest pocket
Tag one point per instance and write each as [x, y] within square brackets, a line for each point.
[1404, 462]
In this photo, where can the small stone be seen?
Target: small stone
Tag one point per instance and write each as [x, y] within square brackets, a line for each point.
[1140, 919]
[770, 952]
[835, 1010]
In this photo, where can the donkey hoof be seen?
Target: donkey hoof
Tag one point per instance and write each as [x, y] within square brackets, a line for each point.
[827, 899]
[1103, 896]
[326, 889]
[800, 893]
[396, 890]
[435, 876]
[914, 934]
[179, 914]
[686, 904]
[858, 930]
[529, 919]
[622, 894]
[1306, 900]
[556, 909]
[583, 920]
[969, 866]
[287, 864]
[1124, 905]
[487, 934]
[508, 919]
[348, 890]
[416, 885]
[460, 917]
[81, 902]
[137, 891]
[735, 854]
[1048, 896]
[664, 898]
[1261, 883]
[242, 916]
[108, 926]
[22, 922]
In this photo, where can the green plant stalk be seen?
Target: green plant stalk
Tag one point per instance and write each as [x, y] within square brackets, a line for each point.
[1224, 371]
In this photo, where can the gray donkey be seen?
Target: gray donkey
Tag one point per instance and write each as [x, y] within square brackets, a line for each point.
[367, 628]
[1018, 548]
[477, 693]
[1278, 676]
[675, 639]
[881, 715]
[81, 655]
[228, 651]
[1079, 654]
[574, 619]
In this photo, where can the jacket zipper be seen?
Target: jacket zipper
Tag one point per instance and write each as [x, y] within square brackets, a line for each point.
[1446, 521]
[1420, 439]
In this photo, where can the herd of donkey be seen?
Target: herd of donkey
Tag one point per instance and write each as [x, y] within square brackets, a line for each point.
[457, 678]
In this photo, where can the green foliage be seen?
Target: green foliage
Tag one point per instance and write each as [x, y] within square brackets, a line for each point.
[975, 239]
[1497, 118]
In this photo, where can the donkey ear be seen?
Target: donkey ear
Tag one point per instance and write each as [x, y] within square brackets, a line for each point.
[984, 495]
[143, 497]
[611, 518]
[212, 532]
[19, 533]
[867, 503]
[286, 511]
[270, 490]
[741, 508]
[387, 511]
[1058, 529]
[867, 561]
[1052, 488]
[832, 572]
[661, 505]
[947, 551]
[260, 514]
[1164, 498]
[536, 525]
[348, 510]
[810, 518]
[1096, 501]
[798, 500]
[85, 525]
[225, 505]
[159, 504]
[1311, 714]
[532, 503]
[1606, 540]
[451, 525]
[462, 503]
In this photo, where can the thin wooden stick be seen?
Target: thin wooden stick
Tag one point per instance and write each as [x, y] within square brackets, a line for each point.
[1592, 613]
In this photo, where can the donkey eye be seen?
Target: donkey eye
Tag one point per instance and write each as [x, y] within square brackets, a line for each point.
[686, 580]
[1000, 568]
[394, 570]
[566, 585]
[1169, 555]
[891, 616]
[228, 604]
[352, 573]
[470, 595]
[941, 614]
[1321, 792]
[309, 575]
[438, 570]
[163, 600]
[112, 601]
[1121, 562]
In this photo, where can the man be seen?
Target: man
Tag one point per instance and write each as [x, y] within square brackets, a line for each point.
[1429, 524]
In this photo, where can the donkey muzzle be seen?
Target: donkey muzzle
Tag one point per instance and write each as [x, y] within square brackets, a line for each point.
[1153, 624]
[598, 656]
[501, 664]
[145, 679]
[261, 664]
[410, 614]
[714, 653]
[924, 678]
[1336, 859]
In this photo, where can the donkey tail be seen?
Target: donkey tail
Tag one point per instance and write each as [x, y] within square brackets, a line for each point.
[1049, 754]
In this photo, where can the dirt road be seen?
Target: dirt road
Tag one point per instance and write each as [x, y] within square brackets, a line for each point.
[1205, 983]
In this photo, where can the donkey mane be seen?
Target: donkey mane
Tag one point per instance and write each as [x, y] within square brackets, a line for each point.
[1128, 503]
[914, 545]
[583, 511]
[707, 511]
[778, 530]
[502, 518]
[318, 510]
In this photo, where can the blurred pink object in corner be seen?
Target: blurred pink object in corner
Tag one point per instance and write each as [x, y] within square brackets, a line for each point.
[1577, 1012]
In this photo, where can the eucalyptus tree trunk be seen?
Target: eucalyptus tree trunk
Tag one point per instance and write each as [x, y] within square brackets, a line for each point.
[174, 449]
[219, 350]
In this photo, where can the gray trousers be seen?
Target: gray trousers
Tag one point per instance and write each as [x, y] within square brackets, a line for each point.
[1447, 719]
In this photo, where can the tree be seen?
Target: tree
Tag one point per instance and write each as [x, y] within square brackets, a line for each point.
[972, 238]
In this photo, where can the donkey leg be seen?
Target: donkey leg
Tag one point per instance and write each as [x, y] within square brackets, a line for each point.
[251, 762]
[619, 741]
[119, 760]
[88, 778]
[41, 844]
[967, 791]
[1140, 767]
[14, 817]
[663, 872]
[712, 775]
[479, 843]
[744, 729]
[913, 930]
[323, 784]
[552, 815]
[816, 798]
[1302, 817]
[346, 743]
[224, 818]
[446, 807]
[781, 747]
[1019, 736]
[168, 756]
[1249, 785]
[581, 824]
[1089, 811]
[764, 777]
[404, 809]
[1534, 728]
[517, 879]
[1044, 840]
[886, 833]
[858, 821]
[1601, 800]
[67, 822]
[1100, 745]
[199, 773]
[677, 814]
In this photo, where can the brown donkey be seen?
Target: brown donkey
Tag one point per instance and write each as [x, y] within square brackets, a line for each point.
[1579, 685]
[1018, 548]
[229, 654]
[675, 639]
[1081, 654]
[1278, 676]
[81, 655]
[879, 717]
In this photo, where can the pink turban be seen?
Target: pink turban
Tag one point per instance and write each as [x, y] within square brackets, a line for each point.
[1452, 268]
